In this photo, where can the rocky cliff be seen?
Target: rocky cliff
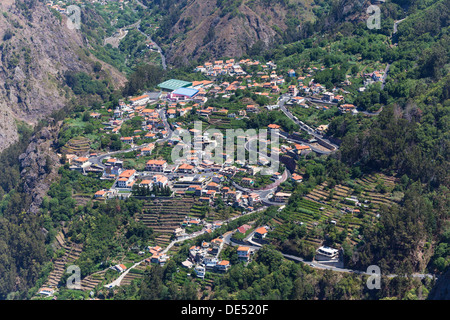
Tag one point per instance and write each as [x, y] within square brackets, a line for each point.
[40, 163]
[207, 26]
[36, 49]
[221, 28]
[441, 290]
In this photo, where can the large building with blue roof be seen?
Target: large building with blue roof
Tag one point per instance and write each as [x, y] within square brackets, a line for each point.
[183, 94]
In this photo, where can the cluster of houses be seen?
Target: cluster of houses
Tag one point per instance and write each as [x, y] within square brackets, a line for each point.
[372, 77]
[205, 258]
[56, 6]
[271, 82]
[157, 256]
[159, 172]
[230, 67]
[355, 205]
[189, 221]
[183, 177]
[152, 126]
[220, 67]
[61, 5]
[127, 178]
[186, 180]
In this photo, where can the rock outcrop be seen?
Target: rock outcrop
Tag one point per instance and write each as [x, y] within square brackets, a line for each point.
[441, 290]
[206, 29]
[39, 164]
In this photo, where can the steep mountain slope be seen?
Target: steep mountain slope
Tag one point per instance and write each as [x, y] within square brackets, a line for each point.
[230, 28]
[37, 48]
[216, 28]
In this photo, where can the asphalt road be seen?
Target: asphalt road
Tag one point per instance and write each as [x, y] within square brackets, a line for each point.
[281, 102]
[158, 48]
[98, 159]
[394, 39]
[256, 246]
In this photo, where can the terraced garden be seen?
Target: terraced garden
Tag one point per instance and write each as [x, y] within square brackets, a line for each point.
[71, 253]
[165, 215]
[324, 204]
[134, 274]
[92, 281]
[77, 145]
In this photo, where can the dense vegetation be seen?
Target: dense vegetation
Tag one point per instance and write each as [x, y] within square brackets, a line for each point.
[267, 277]
[408, 139]
[22, 242]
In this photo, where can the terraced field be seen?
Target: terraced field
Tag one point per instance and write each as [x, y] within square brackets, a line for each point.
[219, 123]
[165, 215]
[83, 199]
[324, 204]
[93, 280]
[71, 253]
[308, 212]
[163, 240]
[212, 215]
[135, 273]
[78, 146]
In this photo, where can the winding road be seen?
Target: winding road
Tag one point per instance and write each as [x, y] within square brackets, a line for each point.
[314, 264]
[264, 193]
[394, 43]
[281, 102]
[158, 48]
[97, 160]
[137, 25]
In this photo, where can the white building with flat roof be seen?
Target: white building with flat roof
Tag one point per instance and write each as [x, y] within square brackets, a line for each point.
[327, 253]
[200, 271]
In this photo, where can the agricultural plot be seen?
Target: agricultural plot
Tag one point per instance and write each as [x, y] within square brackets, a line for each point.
[166, 215]
[134, 274]
[71, 253]
[78, 146]
[92, 281]
[324, 204]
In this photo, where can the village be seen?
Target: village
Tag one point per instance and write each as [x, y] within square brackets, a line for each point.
[160, 115]
[146, 128]
[186, 159]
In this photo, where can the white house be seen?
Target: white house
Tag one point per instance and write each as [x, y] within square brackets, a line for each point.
[327, 253]
[200, 271]
[160, 180]
[119, 267]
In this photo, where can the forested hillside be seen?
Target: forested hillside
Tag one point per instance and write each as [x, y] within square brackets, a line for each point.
[411, 138]
[37, 51]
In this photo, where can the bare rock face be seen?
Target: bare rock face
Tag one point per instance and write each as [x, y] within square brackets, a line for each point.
[40, 164]
[207, 29]
[210, 27]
